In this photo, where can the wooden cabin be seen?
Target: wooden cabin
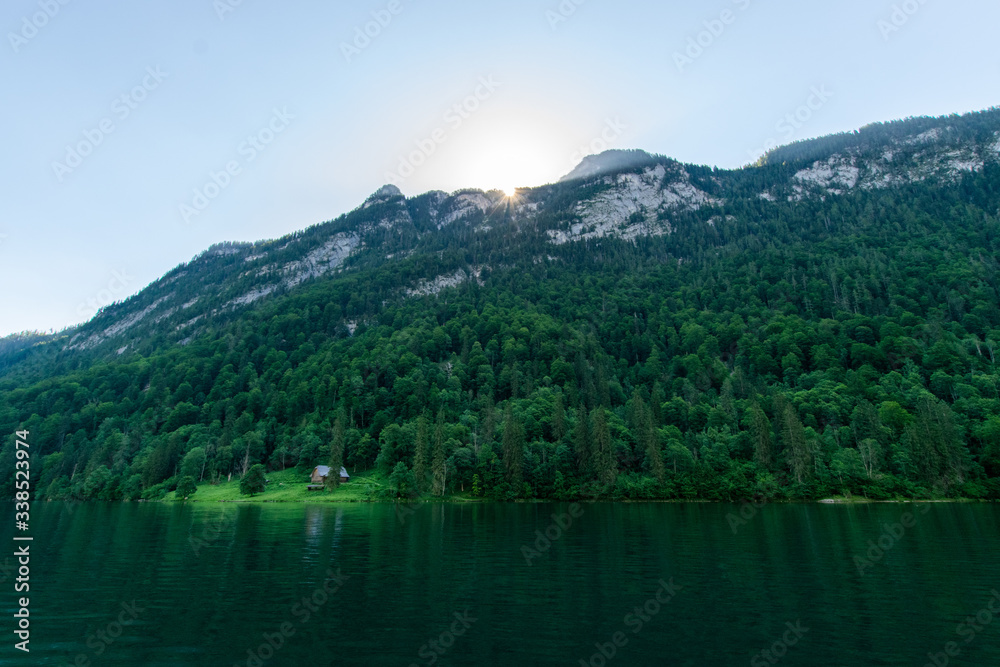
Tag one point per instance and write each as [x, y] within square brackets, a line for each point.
[320, 473]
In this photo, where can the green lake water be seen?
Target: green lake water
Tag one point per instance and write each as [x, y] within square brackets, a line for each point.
[646, 584]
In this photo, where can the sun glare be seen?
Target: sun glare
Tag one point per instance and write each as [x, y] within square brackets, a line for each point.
[511, 156]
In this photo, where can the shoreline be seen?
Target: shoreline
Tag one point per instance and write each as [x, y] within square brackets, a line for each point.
[483, 501]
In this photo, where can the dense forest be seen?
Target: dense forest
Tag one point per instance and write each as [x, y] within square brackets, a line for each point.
[829, 345]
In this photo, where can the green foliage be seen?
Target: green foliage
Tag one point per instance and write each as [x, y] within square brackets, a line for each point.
[187, 487]
[193, 464]
[337, 443]
[253, 482]
[402, 481]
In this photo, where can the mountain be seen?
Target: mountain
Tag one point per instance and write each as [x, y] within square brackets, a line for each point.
[609, 162]
[617, 194]
[823, 322]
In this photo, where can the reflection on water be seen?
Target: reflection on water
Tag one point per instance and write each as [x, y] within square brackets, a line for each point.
[450, 585]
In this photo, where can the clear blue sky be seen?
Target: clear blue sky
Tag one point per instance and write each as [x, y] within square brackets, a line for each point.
[161, 94]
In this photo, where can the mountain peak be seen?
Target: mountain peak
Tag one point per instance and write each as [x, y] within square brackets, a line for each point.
[385, 193]
[607, 162]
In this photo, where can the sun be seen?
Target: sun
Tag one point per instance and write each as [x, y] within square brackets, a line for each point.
[506, 152]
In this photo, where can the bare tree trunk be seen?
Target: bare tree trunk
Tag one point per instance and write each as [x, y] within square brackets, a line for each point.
[246, 463]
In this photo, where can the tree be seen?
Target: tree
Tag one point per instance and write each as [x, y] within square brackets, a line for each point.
[581, 442]
[800, 459]
[440, 463]
[97, 481]
[193, 463]
[846, 462]
[760, 435]
[337, 449]
[679, 455]
[513, 448]
[420, 453]
[252, 445]
[605, 465]
[402, 480]
[865, 422]
[646, 436]
[187, 487]
[871, 455]
[253, 482]
[935, 443]
[558, 421]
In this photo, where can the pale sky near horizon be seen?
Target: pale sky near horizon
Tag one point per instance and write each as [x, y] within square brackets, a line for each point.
[140, 133]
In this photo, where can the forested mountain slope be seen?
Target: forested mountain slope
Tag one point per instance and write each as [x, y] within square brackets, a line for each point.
[823, 322]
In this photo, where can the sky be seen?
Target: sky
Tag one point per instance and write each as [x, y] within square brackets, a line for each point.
[138, 134]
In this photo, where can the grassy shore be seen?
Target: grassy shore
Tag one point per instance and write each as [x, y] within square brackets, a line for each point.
[289, 486]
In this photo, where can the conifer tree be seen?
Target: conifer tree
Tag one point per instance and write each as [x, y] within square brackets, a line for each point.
[582, 444]
[605, 465]
[420, 453]
[513, 448]
[440, 463]
[558, 419]
[760, 435]
[337, 449]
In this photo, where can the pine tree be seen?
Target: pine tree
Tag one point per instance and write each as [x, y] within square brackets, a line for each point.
[799, 456]
[760, 436]
[440, 463]
[582, 444]
[935, 443]
[605, 465]
[488, 420]
[646, 437]
[558, 419]
[420, 454]
[656, 400]
[337, 449]
[513, 448]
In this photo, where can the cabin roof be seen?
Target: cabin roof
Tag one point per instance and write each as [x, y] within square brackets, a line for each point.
[324, 471]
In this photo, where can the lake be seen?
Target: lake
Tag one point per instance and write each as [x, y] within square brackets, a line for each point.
[511, 584]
